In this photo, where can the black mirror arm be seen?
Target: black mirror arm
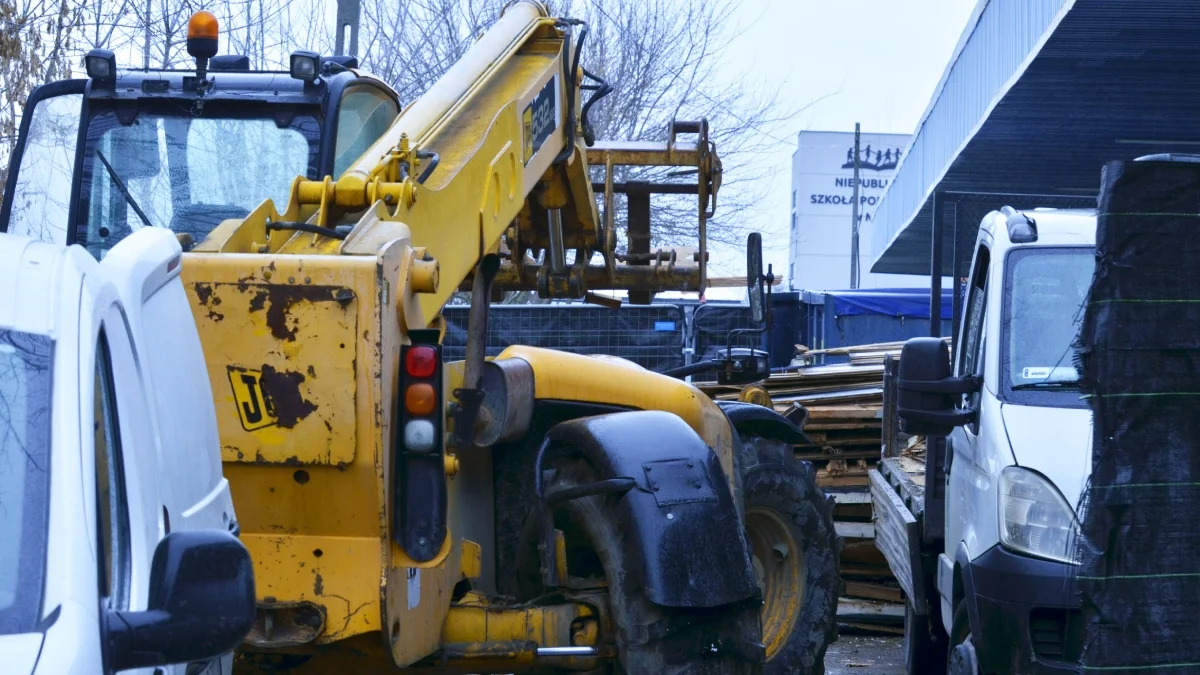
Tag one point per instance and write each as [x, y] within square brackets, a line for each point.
[950, 385]
[940, 417]
[769, 310]
[131, 638]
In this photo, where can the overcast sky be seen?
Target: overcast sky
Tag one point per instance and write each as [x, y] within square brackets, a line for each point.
[875, 62]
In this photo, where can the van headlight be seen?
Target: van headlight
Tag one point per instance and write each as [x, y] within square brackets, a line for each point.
[1034, 517]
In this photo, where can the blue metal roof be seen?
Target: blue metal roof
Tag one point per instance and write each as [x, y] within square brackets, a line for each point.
[1038, 95]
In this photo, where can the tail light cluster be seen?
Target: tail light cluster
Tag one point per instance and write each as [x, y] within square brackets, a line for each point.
[420, 495]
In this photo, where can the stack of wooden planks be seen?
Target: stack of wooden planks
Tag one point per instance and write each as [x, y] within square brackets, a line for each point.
[844, 421]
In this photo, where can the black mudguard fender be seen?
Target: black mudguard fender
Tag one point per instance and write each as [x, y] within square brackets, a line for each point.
[750, 419]
[684, 541]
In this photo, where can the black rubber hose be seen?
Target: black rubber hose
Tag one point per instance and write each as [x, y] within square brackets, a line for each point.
[698, 367]
[305, 227]
[599, 91]
[433, 158]
[572, 66]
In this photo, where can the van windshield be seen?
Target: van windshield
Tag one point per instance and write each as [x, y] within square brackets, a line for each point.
[187, 173]
[25, 369]
[1045, 292]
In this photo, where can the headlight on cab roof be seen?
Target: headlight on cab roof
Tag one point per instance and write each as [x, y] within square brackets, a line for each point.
[1035, 519]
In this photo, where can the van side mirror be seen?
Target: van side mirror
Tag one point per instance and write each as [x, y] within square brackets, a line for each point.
[926, 392]
[202, 604]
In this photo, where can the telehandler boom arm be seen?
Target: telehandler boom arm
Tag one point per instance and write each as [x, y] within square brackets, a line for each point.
[494, 158]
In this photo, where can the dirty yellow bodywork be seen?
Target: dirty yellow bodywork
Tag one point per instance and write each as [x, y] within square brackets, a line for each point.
[302, 334]
[562, 376]
[304, 415]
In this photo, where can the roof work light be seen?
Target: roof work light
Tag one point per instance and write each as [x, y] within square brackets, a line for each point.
[305, 65]
[101, 65]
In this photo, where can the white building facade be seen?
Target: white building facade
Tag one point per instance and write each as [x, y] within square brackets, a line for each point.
[821, 208]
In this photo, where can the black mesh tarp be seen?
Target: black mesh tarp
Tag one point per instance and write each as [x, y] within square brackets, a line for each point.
[649, 335]
[1139, 582]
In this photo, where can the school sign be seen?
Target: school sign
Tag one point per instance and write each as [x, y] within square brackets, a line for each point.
[821, 207]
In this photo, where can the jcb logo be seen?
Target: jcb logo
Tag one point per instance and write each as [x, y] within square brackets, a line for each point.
[254, 406]
[540, 118]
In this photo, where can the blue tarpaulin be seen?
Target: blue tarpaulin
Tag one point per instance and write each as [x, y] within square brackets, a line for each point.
[908, 303]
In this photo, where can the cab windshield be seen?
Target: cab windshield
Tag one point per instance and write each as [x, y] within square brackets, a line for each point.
[25, 369]
[168, 168]
[1045, 292]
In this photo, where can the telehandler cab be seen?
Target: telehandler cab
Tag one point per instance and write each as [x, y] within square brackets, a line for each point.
[535, 511]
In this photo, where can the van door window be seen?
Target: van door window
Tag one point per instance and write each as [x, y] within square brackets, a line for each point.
[969, 361]
[366, 112]
[112, 509]
[26, 373]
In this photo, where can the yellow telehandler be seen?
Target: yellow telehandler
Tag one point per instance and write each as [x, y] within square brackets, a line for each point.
[535, 511]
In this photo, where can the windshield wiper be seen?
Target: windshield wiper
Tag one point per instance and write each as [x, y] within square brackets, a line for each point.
[1060, 384]
[112, 173]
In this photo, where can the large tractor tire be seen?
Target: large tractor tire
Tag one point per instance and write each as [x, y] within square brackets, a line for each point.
[651, 639]
[789, 524]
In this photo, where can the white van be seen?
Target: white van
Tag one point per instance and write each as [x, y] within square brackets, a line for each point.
[119, 552]
[1015, 462]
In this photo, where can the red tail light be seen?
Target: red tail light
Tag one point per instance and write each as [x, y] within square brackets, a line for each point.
[420, 361]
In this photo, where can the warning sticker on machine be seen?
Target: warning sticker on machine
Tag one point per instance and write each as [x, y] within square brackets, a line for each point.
[414, 587]
[540, 118]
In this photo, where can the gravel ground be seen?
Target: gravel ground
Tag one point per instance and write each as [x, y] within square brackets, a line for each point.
[862, 655]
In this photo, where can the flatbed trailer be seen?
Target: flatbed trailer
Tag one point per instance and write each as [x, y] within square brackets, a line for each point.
[898, 498]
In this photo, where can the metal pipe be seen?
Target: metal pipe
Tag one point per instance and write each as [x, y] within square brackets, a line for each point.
[470, 397]
[596, 278]
[935, 266]
[567, 651]
[556, 254]
[854, 272]
[477, 329]
[348, 12]
[653, 188]
[637, 230]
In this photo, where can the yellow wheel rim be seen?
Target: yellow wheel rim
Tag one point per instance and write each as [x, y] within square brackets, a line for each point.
[779, 562]
[755, 394]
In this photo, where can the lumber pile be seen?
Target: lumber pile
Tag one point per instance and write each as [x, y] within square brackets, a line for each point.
[844, 418]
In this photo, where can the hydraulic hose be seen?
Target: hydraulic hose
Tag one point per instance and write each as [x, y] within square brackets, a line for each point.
[697, 367]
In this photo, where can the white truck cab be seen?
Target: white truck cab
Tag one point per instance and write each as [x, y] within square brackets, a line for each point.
[1016, 473]
[120, 551]
[1016, 456]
